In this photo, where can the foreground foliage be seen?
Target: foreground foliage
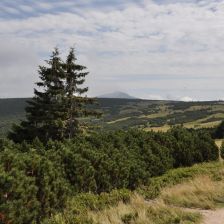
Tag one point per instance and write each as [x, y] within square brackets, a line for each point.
[38, 180]
[140, 211]
[124, 206]
[200, 186]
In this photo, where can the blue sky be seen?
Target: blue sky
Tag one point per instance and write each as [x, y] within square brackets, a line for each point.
[161, 49]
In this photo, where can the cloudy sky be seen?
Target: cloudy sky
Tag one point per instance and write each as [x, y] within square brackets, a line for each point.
[161, 49]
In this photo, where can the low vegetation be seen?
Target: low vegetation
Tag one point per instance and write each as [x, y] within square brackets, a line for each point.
[200, 186]
[134, 210]
[139, 211]
[201, 192]
[178, 176]
[38, 180]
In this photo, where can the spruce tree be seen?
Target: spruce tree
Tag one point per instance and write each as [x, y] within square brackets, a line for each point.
[54, 111]
[76, 104]
[44, 114]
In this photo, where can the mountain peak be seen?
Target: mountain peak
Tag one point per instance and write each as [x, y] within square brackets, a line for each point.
[117, 94]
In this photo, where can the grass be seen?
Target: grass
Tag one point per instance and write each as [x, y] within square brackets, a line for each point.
[164, 128]
[195, 124]
[156, 115]
[139, 211]
[199, 124]
[198, 107]
[180, 175]
[202, 192]
[134, 211]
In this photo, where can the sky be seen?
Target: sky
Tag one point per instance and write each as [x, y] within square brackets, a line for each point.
[161, 49]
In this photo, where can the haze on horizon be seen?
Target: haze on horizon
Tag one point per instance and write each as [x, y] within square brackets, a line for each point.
[161, 49]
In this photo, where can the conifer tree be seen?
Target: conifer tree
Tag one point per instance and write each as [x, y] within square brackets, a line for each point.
[76, 104]
[54, 111]
[44, 114]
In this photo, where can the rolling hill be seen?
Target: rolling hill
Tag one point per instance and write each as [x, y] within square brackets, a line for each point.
[125, 113]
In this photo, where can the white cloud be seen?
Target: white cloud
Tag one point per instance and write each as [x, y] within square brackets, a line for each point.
[186, 99]
[154, 97]
[182, 38]
[18, 69]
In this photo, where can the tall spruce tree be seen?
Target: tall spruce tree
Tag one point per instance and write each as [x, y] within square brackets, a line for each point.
[54, 110]
[44, 114]
[76, 104]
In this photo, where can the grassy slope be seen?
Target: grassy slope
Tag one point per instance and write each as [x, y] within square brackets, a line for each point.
[140, 211]
[200, 186]
[202, 192]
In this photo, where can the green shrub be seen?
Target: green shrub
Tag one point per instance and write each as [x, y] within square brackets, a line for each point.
[97, 163]
[77, 207]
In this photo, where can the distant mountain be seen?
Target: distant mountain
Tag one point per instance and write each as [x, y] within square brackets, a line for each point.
[117, 95]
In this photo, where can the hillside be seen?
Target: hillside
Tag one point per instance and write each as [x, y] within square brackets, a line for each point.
[125, 113]
[159, 115]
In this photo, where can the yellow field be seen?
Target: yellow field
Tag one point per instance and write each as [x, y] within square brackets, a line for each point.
[118, 120]
[219, 142]
[157, 115]
[196, 125]
[157, 129]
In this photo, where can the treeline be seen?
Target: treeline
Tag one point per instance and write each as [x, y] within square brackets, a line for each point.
[36, 180]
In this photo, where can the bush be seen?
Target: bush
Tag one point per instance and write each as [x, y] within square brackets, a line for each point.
[101, 162]
[31, 186]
